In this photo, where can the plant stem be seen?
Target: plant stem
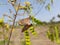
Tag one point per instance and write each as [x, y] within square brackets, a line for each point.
[3, 35]
[12, 28]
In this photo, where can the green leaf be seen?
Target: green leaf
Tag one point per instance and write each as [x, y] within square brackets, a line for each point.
[10, 20]
[51, 1]
[48, 7]
[36, 21]
[1, 20]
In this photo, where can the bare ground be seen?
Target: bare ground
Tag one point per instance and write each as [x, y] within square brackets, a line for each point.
[41, 39]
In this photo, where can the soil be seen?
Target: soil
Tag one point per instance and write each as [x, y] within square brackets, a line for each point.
[41, 39]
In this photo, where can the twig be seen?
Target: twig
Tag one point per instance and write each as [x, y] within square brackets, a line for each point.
[12, 28]
[8, 16]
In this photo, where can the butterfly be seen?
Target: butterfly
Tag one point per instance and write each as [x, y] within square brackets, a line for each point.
[26, 23]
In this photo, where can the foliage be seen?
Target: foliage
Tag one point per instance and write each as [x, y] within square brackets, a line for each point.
[5, 29]
[57, 34]
[23, 42]
[48, 6]
[1, 22]
[53, 35]
[52, 1]
[36, 21]
[58, 16]
[27, 37]
[2, 42]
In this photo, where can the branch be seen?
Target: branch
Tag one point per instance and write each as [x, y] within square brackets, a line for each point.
[7, 16]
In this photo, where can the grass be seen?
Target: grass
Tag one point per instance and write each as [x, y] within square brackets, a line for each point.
[2, 42]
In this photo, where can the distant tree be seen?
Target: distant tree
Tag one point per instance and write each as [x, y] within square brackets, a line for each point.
[52, 20]
[58, 16]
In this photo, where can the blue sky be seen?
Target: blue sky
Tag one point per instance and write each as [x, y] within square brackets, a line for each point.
[43, 15]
